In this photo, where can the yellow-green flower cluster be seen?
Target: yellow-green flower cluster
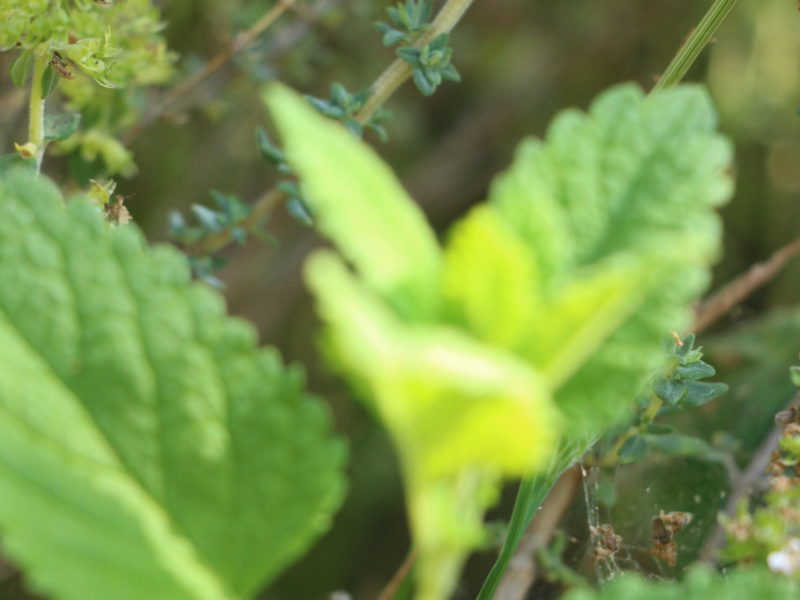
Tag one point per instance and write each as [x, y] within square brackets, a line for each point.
[116, 43]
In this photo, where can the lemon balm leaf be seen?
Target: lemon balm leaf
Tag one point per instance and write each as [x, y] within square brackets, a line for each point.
[631, 183]
[148, 448]
[443, 396]
[577, 319]
[558, 292]
[462, 414]
[360, 205]
[619, 197]
[487, 267]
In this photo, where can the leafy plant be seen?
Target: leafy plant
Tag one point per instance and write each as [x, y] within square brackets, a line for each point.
[147, 447]
[84, 42]
[550, 295]
[150, 449]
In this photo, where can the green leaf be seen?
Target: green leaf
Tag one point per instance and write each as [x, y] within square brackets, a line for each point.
[486, 267]
[163, 454]
[578, 318]
[634, 449]
[694, 371]
[657, 429]
[603, 183]
[794, 375]
[269, 151]
[9, 162]
[410, 55]
[686, 348]
[611, 218]
[21, 68]
[60, 127]
[669, 390]
[357, 202]
[392, 36]
[423, 81]
[443, 396]
[299, 211]
[701, 583]
[50, 80]
[633, 180]
[675, 444]
[700, 392]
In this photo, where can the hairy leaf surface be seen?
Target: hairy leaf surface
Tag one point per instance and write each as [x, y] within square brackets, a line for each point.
[622, 193]
[148, 449]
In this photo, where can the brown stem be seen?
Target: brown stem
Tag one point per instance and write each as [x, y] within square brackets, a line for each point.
[241, 42]
[261, 208]
[521, 572]
[745, 284]
[385, 85]
[744, 485]
[398, 578]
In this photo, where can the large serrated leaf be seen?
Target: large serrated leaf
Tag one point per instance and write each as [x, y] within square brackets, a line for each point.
[634, 180]
[148, 449]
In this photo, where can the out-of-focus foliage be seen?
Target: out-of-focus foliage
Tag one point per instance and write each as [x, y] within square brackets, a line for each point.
[560, 278]
[441, 395]
[596, 205]
[140, 60]
[148, 449]
[114, 42]
[771, 533]
[700, 584]
[520, 62]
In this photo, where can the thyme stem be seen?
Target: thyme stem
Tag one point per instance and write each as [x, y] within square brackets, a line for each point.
[385, 85]
[612, 457]
[399, 71]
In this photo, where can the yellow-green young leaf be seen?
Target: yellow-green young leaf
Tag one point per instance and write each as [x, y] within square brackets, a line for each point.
[358, 203]
[632, 183]
[461, 414]
[148, 449]
[490, 286]
[487, 267]
[578, 318]
[449, 402]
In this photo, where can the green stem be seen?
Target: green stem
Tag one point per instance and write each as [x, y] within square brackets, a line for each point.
[400, 71]
[694, 44]
[444, 516]
[36, 104]
[612, 457]
[387, 83]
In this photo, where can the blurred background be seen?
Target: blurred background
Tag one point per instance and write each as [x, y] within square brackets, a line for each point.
[521, 61]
